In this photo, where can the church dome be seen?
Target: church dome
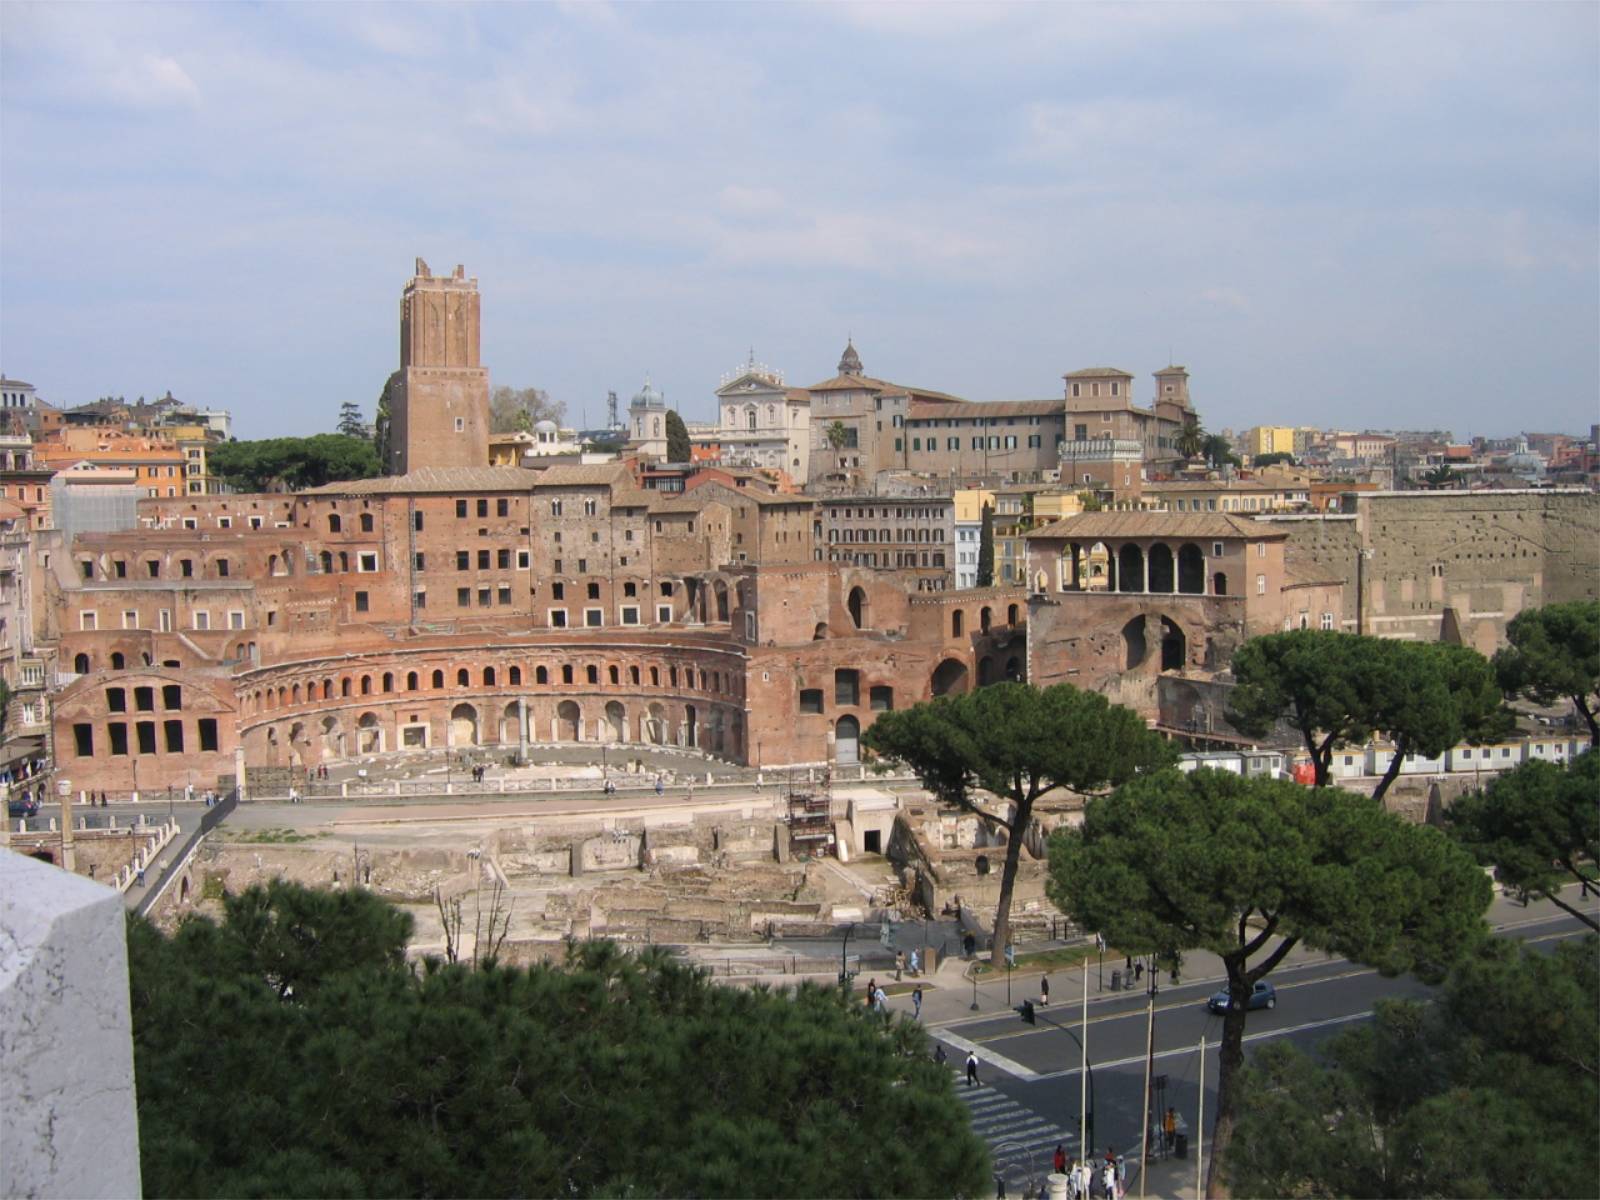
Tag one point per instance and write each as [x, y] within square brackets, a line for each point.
[544, 427]
[647, 397]
[850, 361]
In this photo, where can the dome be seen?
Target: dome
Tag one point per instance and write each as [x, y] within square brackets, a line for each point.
[544, 427]
[647, 397]
[850, 361]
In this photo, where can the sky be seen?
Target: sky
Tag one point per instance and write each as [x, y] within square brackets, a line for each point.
[1348, 215]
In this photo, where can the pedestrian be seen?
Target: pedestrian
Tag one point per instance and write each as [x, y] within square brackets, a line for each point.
[103, 803]
[972, 1068]
[1044, 991]
[1169, 1127]
[1138, 970]
[939, 1056]
[659, 788]
[140, 878]
[899, 964]
[916, 1003]
[880, 1001]
[872, 991]
[1059, 1162]
[916, 962]
[1122, 1173]
[1108, 1180]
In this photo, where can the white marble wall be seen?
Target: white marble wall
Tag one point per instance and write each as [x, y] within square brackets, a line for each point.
[68, 1124]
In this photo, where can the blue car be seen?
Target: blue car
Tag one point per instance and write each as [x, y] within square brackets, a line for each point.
[22, 806]
[1264, 996]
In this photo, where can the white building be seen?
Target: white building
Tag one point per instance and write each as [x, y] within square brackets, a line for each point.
[16, 394]
[647, 422]
[763, 423]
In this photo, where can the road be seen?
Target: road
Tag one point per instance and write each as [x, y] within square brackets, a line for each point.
[1031, 1074]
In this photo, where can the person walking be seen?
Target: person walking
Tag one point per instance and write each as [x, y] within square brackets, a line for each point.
[1059, 1162]
[872, 991]
[880, 1002]
[1044, 991]
[972, 1068]
[916, 1003]
[1169, 1128]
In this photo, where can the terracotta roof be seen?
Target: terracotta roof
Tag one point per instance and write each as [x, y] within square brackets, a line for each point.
[1098, 373]
[858, 383]
[1155, 524]
[433, 479]
[963, 409]
[580, 475]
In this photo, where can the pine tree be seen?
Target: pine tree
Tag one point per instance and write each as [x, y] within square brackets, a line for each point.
[678, 448]
[986, 548]
[350, 422]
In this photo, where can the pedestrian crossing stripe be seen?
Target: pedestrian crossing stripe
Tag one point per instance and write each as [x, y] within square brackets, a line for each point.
[1019, 1140]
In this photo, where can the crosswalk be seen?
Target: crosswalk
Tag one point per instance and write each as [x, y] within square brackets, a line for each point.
[1020, 1141]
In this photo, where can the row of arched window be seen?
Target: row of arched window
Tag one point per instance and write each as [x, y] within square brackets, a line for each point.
[290, 695]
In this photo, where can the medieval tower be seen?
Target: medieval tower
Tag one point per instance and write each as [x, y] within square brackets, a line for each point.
[441, 417]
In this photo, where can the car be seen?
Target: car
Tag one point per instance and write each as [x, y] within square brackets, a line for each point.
[1264, 996]
[22, 806]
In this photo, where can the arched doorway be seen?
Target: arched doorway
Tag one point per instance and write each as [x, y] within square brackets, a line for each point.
[511, 727]
[655, 725]
[463, 725]
[820, 632]
[332, 738]
[1013, 669]
[80, 664]
[950, 678]
[1219, 584]
[1191, 569]
[691, 729]
[847, 741]
[616, 721]
[721, 590]
[569, 721]
[1174, 646]
[1130, 569]
[1162, 568]
[369, 734]
[858, 607]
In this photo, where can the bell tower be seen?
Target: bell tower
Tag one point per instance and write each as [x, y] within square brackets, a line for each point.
[441, 414]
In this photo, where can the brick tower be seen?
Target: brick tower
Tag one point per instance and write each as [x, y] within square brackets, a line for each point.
[441, 417]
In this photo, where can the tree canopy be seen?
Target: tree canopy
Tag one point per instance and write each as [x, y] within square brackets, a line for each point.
[289, 464]
[985, 577]
[1191, 439]
[1250, 868]
[1338, 689]
[1538, 826]
[679, 449]
[1017, 742]
[517, 410]
[350, 422]
[1275, 456]
[290, 1050]
[383, 422]
[1491, 1091]
[1555, 654]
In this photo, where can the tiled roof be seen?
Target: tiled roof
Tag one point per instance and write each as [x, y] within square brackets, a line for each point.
[967, 409]
[580, 475]
[433, 479]
[856, 383]
[1154, 524]
[1098, 373]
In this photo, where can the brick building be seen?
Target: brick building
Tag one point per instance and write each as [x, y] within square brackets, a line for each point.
[913, 537]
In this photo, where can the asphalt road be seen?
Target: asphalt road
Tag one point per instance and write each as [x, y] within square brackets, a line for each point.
[1037, 1067]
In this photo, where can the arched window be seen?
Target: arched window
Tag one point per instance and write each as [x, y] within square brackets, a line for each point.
[633, 676]
[327, 562]
[955, 623]
[366, 522]
[541, 675]
[333, 523]
[615, 677]
[80, 664]
[514, 676]
[463, 679]
[438, 679]
[327, 689]
[366, 685]
[488, 677]
[344, 686]
[655, 676]
[344, 560]
[388, 681]
[411, 681]
[117, 661]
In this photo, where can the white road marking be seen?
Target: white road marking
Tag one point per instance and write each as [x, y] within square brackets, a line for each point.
[987, 1057]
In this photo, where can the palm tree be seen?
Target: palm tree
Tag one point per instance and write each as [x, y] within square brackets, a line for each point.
[837, 434]
[1192, 440]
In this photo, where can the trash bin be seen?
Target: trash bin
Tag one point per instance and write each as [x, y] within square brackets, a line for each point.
[1116, 980]
[1180, 1145]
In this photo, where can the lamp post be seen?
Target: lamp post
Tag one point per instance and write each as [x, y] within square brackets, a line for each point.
[844, 961]
[1031, 1015]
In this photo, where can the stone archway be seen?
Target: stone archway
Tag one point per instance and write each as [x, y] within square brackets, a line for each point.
[857, 604]
[655, 724]
[463, 725]
[720, 591]
[616, 723]
[1133, 642]
[1191, 569]
[1174, 645]
[569, 721]
[1163, 570]
[949, 678]
[691, 726]
[369, 734]
[1130, 568]
[512, 730]
[332, 738]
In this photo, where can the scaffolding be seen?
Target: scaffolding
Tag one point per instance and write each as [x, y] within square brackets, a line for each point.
[810, 818]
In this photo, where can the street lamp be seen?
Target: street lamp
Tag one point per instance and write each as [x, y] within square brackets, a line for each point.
[844, 961]
[1030, 1015]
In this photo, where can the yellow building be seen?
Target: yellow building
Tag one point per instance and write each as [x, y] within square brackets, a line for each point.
[1269, 439]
